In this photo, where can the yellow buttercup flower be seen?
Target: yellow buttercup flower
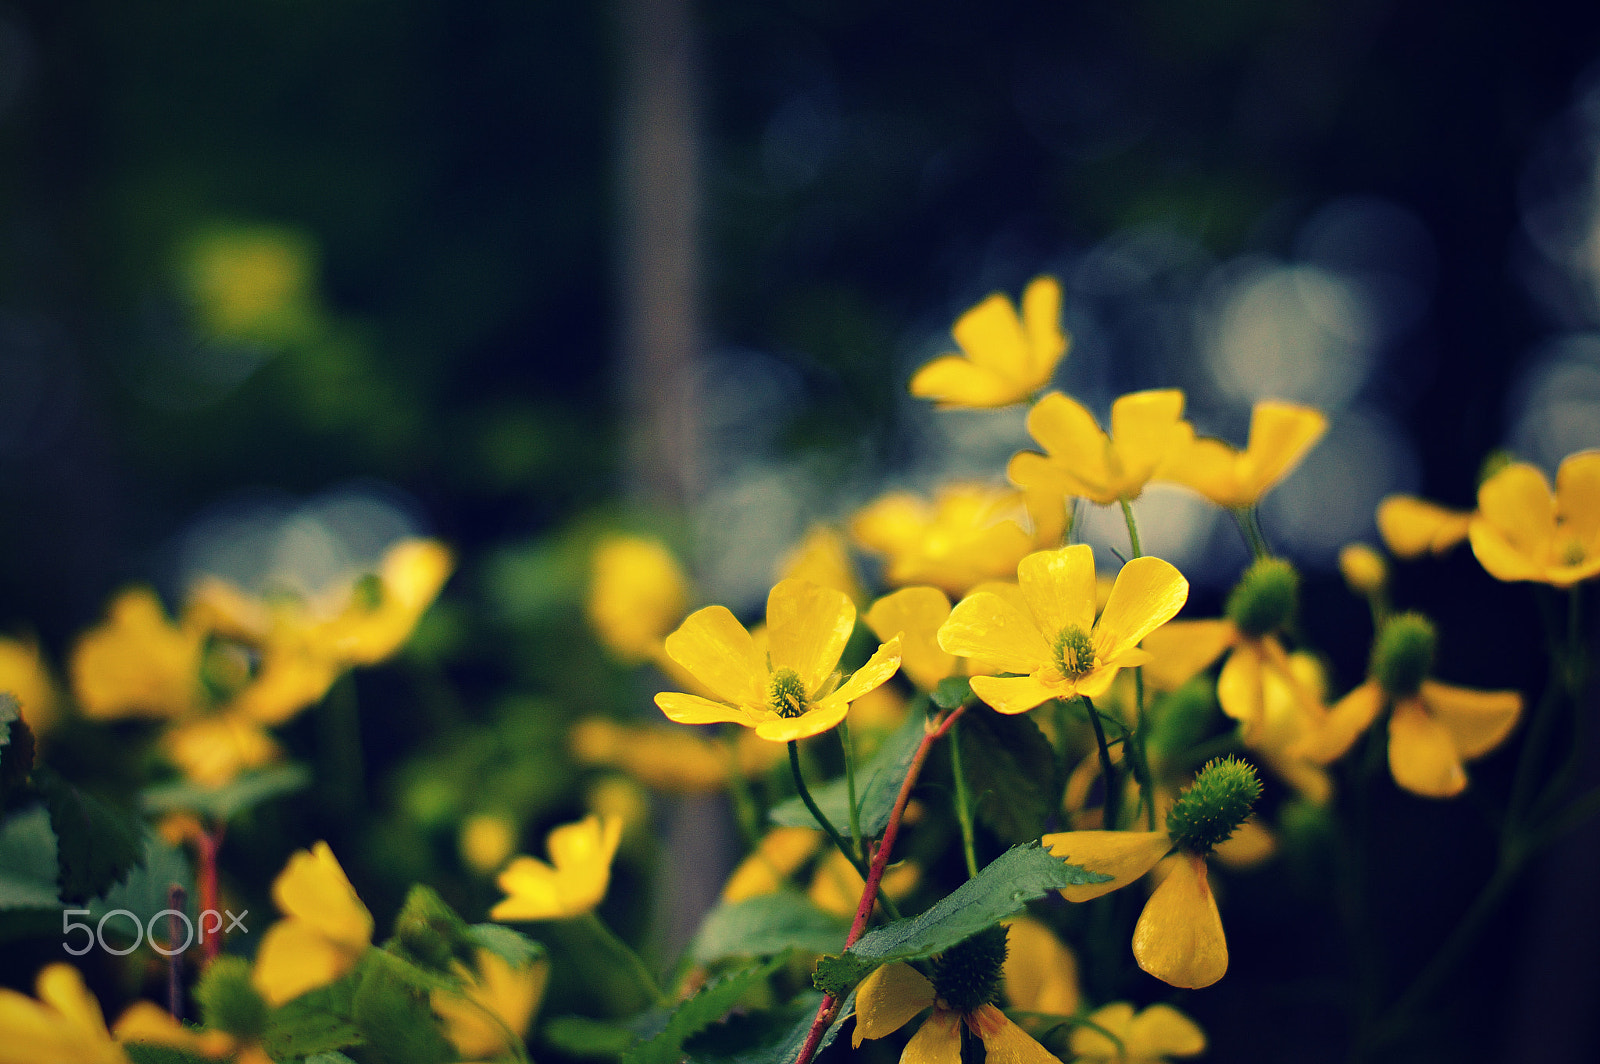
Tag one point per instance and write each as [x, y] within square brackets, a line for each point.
[667, 758]
[574, 881]
[968, 534]
[137, 663]
[836, 885]
[24, 675]
[776, 858]
[324, 932]
[1147, 1037]
[1523, 531]
[486, 840]
[497, 991]
[1004, 359]
[966, 982]
[1057, 645]
[1280, 435]
[1412, 527]
[213, 750]
[792, 693]
[1040, 972]
[377, 616]
[822, 557]
[917, 614]
[1147, 431]
[637, 592]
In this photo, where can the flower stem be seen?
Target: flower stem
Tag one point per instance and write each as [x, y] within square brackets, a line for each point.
[816, 814]
[1107, 770]
[629, 958]
[1133, 527]
[850, 789]
[1245, 518]
[963, 803]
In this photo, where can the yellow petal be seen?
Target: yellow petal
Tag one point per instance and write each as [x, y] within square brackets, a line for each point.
[1210, 467]
[1148, 593]
[148, 1023]
[1280, 435]
[884, 663]
[823, 715]
[295, 957]
[916, 613]
[637, 593]
[937, 1041]
[1501, 558]
[692, 709]
[954, 381]
[823, 557]
[1004, 1042]
[1476, 720]
[1578, 497]
[992, 337]
[1181, 649]
[1091, 1044]
[1077, 448]
[990, 629]
[1041, 321]
[1422, 756]
[807, 628]
[1241, 688]
[313, 888]
[1345, 722]
[779, 854]
[1146, 427]
[1040, 972]
[1161, 1031]
[1122, 855]
[712, 645]
[497, 992]
[1059, 588]
[1013, 694]
[62, 988]
[137, 663]
[1411, 526]
[1178, 938]
[1517, 502]
[888, 999]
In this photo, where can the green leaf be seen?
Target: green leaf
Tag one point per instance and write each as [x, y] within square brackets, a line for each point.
[579, 1036]
[951, 692]
[16, 748]
[999, 890]
[96, 844]
[513, 947]
[147, 889]
[801, 1013]
[1011, 772]
[876, 787]
[394, 1016]
[225, 802]
[328, 1058]
[317, 1021]
[28, 862]
[747, 1038]
[711, 1004]
[151, 1053]
[764, 925]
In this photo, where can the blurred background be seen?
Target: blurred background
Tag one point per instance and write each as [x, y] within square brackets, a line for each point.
[282, 280]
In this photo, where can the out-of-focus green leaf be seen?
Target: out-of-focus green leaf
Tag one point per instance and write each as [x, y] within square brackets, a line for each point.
[579, 1036]
[28, 862]
[951, 692]
[317, 1021]
[1011, 772]
[513, 947]
[96, 844]
[393, 1014]
[764, 925]
[876, 787]
[150, 1053]
[711, 1004]
[225, 802]
[147, 890]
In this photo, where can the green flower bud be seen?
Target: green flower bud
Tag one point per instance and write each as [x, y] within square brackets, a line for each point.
[1211, 809]
[229, 1001]
[429, 933]
[1402, 656]
[1183, 718]
[1265, 598]
[967, 975]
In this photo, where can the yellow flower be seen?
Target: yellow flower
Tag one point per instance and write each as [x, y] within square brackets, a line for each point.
[1004, 359]
[1412, 527]
[138, 663]
[324, 932]
[497, 992]
[1147, 430]
[1364, 570]
[212, 750]
[1149, 1037]
[637, 592]
[63, 1026]
[969, 533]
[1040, 972]
[836, 886]
[778, 855]
[572, 884]
[377, 616]
[916, 613]
[486, 841]
[23, 674]
[1523, 531]
[667, 758]
[794, 693]
[1056, 644]
[823, 557]
[1280, 435]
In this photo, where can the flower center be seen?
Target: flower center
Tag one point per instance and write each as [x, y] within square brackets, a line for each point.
[967, 975]
[1572, 553]
[786, 694]
[1074, 652]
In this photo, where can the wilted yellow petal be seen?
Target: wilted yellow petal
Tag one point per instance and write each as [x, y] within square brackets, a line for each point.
[1178, 938]
[937, 1041]
[1122, 855]
[888, 999]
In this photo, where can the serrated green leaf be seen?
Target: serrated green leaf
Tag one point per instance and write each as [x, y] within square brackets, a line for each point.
[579, 1036]
[746, 1038]
[225, 802]
[1011, 772]
[393, 1014]
[764, 925]
[147, 890]
[711, 1004]
[16, 748]
[801, 1014]
[96, 844]
[151, 1053]
[317, 1021]
[28, 862]
[1000, 889]
[513, 947]
[876, 787]
[951, 692]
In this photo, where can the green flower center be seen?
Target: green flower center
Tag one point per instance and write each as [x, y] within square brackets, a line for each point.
[1074, 652]
[1403, 654]
[786, 694]
[967, 975]
[1265, 598]
[1213, 807]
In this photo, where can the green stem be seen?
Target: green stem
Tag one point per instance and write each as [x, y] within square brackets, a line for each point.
[1244, 517]
[832, 832]
[850, 790]
[963, 802]
[1133, 527]
[629, 958]
[1107, 770]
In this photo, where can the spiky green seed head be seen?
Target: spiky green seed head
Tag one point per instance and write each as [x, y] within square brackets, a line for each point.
[1074, 652]
[1402, 655]
[967, 975]
[786, 694]
[229, 1001]
[1265, 598]
[1211, 809]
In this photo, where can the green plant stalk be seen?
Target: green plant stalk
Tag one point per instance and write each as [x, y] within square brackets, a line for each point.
[816, 814]
[1133, 527]
[850, 789]
[634, 963]
[963, 803]
[1244, 517]
[1108, 772]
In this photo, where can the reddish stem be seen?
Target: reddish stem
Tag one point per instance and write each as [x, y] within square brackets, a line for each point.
[829, 1009]
[209, 842]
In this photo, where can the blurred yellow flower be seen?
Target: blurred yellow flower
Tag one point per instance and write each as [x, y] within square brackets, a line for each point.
[1280, 435]
[1412, 527]
[24, 675]
[1147, 431]
[916, 613]
[1523, 531]
[776, 858]
[64, 1025]
[498, 998]
[1004, 359]
[137, 663]
[486, 840]
[1364, 570]
[572, 884]
[968, 534]
[324, 931]
[253, 282]
[1040, 972]
[836, 886]
[792, 693]
[637, 593]
[822, 557]
[667, 758]
[1057, 645]
[212, 750]
[1148, 1037]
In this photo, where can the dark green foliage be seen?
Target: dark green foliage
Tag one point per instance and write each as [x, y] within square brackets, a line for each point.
[1011, 772]
[96, 844]
[761, 926]
[877, 786]
[429, 933]
[394, 1017]
[229, 1001]
[711, 1004]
